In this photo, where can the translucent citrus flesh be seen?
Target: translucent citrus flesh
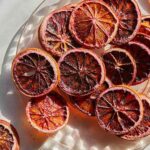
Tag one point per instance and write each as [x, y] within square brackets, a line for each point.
[93, 24]
[87, 104]
[54, 33]
[143, 38]
[6, 139]
[34, 73]
[80, 73]
[145, 26]
[141, 55]
[48, 113]
[129, 15]
[118, 110]
[120, 68]
[143, 129]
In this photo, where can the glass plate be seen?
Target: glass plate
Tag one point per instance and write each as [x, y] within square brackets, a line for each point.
[81, 133]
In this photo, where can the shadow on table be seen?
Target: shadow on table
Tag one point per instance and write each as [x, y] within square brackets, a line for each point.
[12, 105]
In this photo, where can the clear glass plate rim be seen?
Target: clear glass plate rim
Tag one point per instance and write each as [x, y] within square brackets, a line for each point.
[26, 23]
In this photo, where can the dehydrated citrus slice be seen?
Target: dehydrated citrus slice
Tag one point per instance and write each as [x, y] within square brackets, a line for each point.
[49, 113]
[35, 72]
[54, 34]
[120, 66]
[143, 38]
[81, 72]
[145, 25]
[119, 110]
[141, 55]
[129, 16]
[87, 104]
[9, 139]
[143, 129]
[93, 24]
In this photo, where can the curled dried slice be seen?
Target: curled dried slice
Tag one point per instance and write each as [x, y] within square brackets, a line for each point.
[54, 34]
[129, 16]
[48, 114]
[87, 104]
[120, 66]
[9, 139]
[141, 55]
[145, 25]
[35, 72]
[93, 24]
[143, 129]
[143, 38]
[81, 72]
[119, 110]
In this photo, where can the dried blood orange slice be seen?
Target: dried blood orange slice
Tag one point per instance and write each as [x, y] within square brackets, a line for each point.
[35, 72]
[143, 38]
[54, 34]
[93, 24]
[81, 72]
[120, 66]
[141, 55]
[9, 139]
[49, 113]
[129, 16]
[87, 104]
[119, 109]
[145, 25]
[143, 129]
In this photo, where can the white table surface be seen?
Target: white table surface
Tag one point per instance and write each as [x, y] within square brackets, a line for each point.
[13, 13]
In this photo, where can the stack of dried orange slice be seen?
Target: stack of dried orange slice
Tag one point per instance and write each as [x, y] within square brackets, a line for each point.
[36, 74]
[97, 81]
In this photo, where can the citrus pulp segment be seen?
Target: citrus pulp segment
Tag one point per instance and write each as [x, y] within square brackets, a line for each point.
[129, 16]
[81, 72]
[9, 139]
[143, 129]
[49, 113]
[93, 24]
[87, 104]
[120, 66]
[35, 72]
[141, 55]
[54, 33]
[119, 110]
[143, 38]
[145, 25]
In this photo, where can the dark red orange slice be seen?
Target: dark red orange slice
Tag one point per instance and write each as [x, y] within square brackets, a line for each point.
[143, 38]
[120, 66]
[143, 129]
[48, 114]
[54, 34]
[9, 139]
[87, 104]
[93, 24]
[81, 72]
[129, 17]
[145, 25]
[141, 55]
[119, 110]
[35, 72]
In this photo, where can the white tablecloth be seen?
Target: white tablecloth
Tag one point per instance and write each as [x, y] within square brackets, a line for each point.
[13, 13]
